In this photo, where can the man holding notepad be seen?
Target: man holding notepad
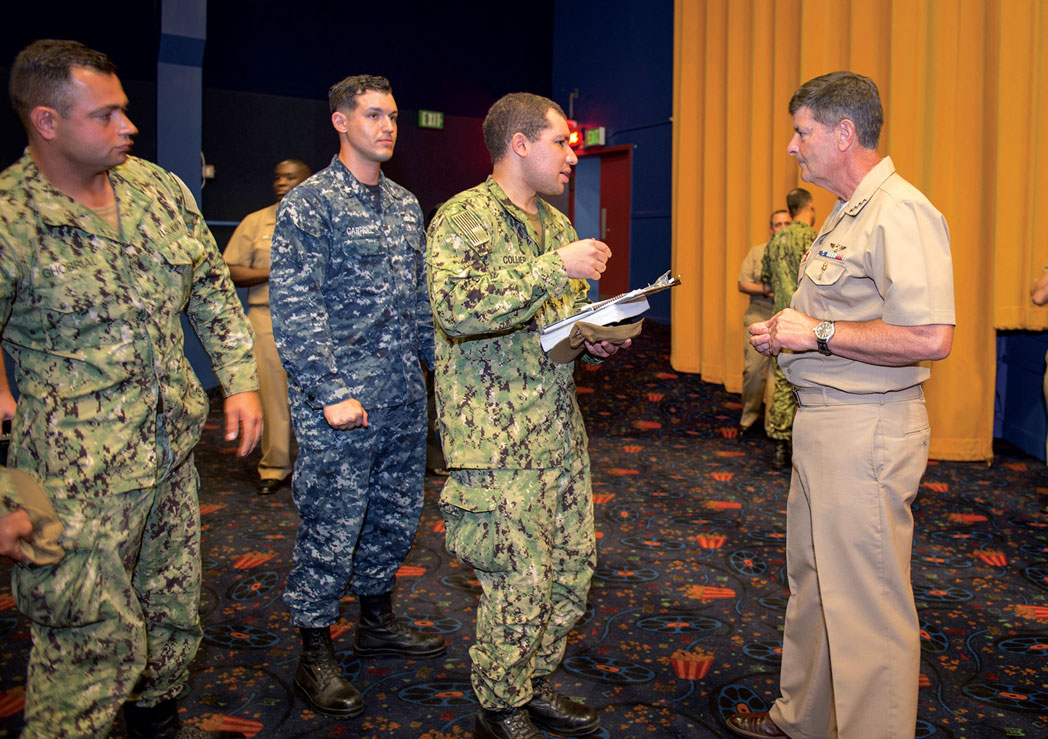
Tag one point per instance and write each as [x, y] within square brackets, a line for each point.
[518, 508]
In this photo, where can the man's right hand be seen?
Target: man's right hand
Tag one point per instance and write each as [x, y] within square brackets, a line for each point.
[349, 414]
[586, 259]
[7, 402]
[15, 527]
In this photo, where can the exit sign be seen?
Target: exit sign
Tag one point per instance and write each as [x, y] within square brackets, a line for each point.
[430, 119]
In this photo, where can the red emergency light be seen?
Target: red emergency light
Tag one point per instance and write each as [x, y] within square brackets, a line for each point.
[574, 134]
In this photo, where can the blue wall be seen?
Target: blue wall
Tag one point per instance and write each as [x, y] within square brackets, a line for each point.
[619, 56]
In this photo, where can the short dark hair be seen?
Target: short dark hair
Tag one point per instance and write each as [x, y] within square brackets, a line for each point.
[297, 164]
[771, 218]
[343, 95]
[41, 72]
[517, 112]
[839, 95]
[796, 199]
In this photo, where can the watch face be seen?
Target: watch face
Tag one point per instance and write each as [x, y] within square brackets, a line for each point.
[824, 330]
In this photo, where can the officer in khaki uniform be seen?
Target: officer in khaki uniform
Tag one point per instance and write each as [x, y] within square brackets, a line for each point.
[518, 507]
[756, 387]
[247, 255]
[875, 298]
[100, 254]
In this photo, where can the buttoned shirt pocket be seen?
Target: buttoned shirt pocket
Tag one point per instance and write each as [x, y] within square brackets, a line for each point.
[824, 272]
[76, 299]
[178, 268]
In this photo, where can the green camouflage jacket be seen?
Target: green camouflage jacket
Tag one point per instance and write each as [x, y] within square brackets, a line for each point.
[502, 403]
[92, 319]
[782, 261]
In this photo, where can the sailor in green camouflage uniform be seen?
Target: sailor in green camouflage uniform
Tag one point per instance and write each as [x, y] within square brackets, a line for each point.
[100, 253]
[779, 270]
[518, 507]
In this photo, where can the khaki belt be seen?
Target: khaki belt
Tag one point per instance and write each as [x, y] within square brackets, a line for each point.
[830, 396]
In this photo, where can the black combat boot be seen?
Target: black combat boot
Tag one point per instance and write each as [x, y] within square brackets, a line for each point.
[782, 457]
[379, 633]
[559, 714]
[161, 722]
[512, 723]
[319, 679]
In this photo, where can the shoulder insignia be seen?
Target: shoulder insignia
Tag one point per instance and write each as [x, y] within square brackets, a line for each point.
[471, 226]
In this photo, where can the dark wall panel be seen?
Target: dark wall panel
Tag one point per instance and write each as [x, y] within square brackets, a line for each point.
[246, 134]
[618, 55]
[453, 56]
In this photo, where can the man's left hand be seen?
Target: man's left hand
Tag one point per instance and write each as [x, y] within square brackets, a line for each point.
[787, 329]
[605, 349]
[244, 418]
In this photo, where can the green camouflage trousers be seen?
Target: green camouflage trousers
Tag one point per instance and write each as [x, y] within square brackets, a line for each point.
[778, 419]
[117, 618]
[528, 534]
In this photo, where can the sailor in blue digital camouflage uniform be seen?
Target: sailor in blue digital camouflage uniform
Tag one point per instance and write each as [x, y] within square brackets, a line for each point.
[351, 320]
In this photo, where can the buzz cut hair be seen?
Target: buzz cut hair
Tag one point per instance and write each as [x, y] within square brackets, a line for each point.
[797, 199]
[41, 74]
[517, 112]
[343, 95]
[838, 95]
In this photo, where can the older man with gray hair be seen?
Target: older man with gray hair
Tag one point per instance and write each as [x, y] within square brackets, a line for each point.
[875, 300]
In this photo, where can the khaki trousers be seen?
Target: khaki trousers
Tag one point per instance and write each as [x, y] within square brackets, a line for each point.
[851, 647]
[272, 389]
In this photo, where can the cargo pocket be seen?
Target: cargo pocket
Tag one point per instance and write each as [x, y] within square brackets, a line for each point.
[469, 503]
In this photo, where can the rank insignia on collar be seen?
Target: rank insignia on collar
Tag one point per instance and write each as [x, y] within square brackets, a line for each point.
[472, 227]
[834, 252]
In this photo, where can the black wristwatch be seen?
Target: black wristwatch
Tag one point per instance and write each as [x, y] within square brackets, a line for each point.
[823, 333]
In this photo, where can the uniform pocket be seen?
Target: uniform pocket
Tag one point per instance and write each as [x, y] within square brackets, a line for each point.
[472, 520]
[824, 273]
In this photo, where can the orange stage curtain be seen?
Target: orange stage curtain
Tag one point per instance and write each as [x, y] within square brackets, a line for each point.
[964, 84]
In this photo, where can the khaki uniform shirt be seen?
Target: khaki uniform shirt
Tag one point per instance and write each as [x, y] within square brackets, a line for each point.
[92, 319]
[759, 308]
[883, 254]
[249, 247]
[502, 402]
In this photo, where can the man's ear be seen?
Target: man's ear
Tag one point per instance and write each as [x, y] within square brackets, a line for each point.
[518, 144]
[45, 121]
[338, 120]
[845, 134]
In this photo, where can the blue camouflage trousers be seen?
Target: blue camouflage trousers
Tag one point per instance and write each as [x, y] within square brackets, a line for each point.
[529, 535]
[359, 495]
[117, 619]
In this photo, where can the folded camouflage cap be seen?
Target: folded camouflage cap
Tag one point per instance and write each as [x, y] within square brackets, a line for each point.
[568, 349]
[19, 490]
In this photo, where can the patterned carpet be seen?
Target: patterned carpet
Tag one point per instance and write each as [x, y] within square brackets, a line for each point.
[685, 614]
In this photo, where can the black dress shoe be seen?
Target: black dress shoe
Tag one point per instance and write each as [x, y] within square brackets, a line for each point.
[782, 457]
[754, 725]
[268, 487]
[557, 713]
[162, 722]
[509, 724]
